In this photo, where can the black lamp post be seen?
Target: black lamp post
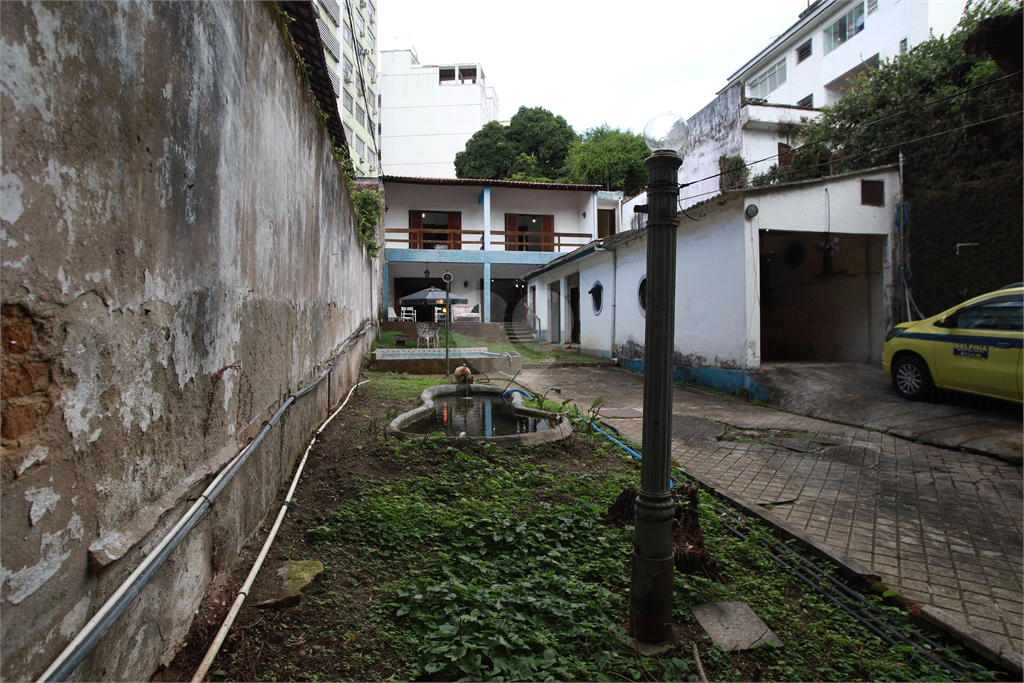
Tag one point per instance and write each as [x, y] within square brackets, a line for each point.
[653, 570]
[447, 277]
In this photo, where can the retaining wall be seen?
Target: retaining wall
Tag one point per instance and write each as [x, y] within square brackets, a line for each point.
[179, 256]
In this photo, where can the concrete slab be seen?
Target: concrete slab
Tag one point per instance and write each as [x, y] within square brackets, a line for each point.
[733, 626]
[941, 526]
[862, 395]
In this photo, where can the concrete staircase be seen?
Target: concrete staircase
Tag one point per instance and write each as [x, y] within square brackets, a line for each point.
[518, 333]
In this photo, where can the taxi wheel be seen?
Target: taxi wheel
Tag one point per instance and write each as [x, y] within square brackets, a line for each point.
[911, 378]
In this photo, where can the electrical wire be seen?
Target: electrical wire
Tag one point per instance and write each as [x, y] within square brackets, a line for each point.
[870, 151]
[855, 127]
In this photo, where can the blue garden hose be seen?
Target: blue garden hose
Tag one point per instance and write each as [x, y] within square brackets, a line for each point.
[509, 391]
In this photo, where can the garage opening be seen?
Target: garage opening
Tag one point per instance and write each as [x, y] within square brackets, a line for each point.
[821, 296]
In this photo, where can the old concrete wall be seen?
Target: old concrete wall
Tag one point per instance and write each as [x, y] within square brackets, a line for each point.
[714, 131]
[179, 256]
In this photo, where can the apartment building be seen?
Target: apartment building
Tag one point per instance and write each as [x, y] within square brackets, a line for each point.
[429, 111]
[349, 34]
[812, 63]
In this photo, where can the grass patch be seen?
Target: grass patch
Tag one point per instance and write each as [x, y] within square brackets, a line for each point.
[532, 352]
[480, 563]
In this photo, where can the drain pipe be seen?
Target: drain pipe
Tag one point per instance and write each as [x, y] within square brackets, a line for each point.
[243, 592]
[112, 609]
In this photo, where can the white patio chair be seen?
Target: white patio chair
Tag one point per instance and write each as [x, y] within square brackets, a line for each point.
[423, 334]
[408, 313]
[439, 314]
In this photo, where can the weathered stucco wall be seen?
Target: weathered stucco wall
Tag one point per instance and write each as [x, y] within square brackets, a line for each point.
[179, 255]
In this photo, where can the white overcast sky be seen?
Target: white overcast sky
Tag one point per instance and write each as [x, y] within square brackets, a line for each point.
[599, 62]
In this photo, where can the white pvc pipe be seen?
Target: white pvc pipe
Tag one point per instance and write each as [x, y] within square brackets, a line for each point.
[243, 592]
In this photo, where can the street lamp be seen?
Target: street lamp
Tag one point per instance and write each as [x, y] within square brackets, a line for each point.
[653, 570]
[447, 277]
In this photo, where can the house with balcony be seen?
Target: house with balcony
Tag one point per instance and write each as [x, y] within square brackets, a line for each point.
[488, 234]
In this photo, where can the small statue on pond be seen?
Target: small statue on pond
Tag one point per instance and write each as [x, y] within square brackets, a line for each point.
[463, 375]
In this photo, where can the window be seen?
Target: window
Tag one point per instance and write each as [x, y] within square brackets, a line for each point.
[371, 11]
[348, 34]
[435, 229]
[872, 6]
[807, 102]
[346, 66]
[768, 81]
[641, 296]
[348, 132]
[1001, 313]
[360, 116]
[370, 70]
[360, 24]
[903, 46]
[872, 192]
[597, 295]
[446, 74]
[803, 52]
[467, 73]
[360, 146]
[529, 232]
[844, 28]
[346, 98]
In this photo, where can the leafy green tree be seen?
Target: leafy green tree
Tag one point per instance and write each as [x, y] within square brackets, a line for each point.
[526, 168]
[498, 152]
[548, 138]
[958, 123]
[488, 154]
[609, 157]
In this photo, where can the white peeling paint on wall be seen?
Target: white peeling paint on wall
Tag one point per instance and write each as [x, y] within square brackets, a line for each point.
[53, 551]
[37, 454]
[43, 500]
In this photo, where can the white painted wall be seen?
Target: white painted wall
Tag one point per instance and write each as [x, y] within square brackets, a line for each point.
[567, 207]
[718, 279]
[425, 123]
[883, 30]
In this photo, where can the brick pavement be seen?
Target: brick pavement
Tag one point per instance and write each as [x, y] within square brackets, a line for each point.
[942, 527]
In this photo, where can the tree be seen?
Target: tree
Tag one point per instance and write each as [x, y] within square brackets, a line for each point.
[498, 152]
[609, 157]
[548, 138]
[488, 154]
[957, 122]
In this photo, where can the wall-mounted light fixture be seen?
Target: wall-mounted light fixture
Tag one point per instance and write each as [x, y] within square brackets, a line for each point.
[584, 214]
[426, 273]
[465, 283]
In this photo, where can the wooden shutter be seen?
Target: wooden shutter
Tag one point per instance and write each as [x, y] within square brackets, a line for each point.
[511, 226]
[547, 228]
[415, 229]
[454, 224]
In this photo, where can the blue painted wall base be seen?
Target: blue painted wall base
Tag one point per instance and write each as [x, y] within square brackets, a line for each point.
[719, 379]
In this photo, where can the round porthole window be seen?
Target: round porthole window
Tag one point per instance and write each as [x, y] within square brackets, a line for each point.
[642, 296]
[597, 297]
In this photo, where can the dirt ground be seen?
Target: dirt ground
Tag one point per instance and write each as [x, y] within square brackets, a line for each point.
[329, 637]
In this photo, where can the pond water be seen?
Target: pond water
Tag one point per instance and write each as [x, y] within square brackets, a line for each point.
[476, 416]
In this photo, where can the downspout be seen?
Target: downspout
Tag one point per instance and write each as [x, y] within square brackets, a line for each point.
[486, 294]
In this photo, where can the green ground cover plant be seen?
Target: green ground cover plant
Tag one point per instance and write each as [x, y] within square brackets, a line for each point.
[533, 352]
[464, 561]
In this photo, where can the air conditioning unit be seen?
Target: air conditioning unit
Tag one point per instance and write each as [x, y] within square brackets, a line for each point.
[362, 4]
[373, 168]
[348, 79]
[362, 34]
[361, 160]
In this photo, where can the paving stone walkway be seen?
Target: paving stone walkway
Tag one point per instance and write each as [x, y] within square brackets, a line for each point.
[943, 527]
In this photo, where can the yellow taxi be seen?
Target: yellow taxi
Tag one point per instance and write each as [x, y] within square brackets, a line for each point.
[974, 347]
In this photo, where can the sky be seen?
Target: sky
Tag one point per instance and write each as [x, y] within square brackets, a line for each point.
[615, 63]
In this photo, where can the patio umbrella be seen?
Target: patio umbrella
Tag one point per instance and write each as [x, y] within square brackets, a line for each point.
[431, 296]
